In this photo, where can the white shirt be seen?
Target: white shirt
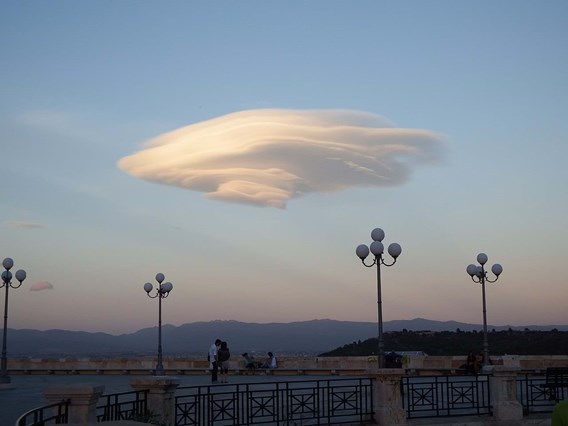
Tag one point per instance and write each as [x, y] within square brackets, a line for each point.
[213, 353]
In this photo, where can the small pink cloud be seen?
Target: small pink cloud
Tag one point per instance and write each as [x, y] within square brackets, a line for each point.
[42, 285]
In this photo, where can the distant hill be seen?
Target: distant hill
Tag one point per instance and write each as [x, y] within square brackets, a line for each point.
[306, 337]
[531, 342]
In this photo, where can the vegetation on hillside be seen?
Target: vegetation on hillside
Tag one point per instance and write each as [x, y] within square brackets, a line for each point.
[525, 342]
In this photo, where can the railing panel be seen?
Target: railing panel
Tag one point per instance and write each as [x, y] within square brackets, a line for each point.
[332, 402]
[445, 396]
[535, 397]
[57, 413]
[122, 406]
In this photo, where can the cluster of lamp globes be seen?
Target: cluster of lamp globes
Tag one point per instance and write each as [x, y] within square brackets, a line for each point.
[162, 289]
[478, 271]
[7, 275]
[377, 247]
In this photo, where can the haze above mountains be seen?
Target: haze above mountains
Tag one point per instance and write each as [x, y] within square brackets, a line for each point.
[306, 337]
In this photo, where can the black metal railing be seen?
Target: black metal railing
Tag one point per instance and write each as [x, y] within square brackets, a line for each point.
[445, 396]
[535, 397]
[122, 406]
[331, 402]
[57, 413]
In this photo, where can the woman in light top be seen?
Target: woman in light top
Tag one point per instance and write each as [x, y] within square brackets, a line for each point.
[271, 361]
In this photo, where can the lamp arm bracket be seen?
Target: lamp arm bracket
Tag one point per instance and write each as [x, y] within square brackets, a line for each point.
[387, 264]
[372, 264]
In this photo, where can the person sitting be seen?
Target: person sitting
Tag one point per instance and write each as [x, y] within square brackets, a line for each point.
[470, 363]
[250, 363]
[271, 361]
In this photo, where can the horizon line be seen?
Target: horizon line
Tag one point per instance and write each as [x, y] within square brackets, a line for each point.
[300, 321]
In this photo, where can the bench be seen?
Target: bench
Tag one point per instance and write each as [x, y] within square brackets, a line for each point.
[556, 379]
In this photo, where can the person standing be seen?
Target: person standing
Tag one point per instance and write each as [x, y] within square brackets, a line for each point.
[223, 355]
[213, 359]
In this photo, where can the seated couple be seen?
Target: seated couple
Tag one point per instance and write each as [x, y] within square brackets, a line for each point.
[251, 364]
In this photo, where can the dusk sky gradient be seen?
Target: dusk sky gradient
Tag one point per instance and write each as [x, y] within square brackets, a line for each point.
[244, 149]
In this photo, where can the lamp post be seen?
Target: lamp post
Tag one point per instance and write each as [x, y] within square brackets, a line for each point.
[377, 249]
[7, 282]
[162, 291]
[479, 275]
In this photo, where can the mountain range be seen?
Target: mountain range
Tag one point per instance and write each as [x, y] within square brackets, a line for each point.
[305, 337]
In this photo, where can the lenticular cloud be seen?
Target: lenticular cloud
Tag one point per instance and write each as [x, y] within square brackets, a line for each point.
[266, 157]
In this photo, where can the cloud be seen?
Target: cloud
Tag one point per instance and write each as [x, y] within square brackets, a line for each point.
[20, 224]
[42, 285]
[266, 157]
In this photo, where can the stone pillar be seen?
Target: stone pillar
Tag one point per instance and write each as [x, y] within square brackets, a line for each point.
[387, 396]
[84, 398]
[161, 395]
[503, 388]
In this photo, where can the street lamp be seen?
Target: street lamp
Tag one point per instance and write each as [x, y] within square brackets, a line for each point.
[377, 249]
[479, 275]
[162, 291]
[7, 282]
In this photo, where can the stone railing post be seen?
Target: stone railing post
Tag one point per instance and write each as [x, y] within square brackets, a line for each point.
[503, 383]
[84, 398]
[161, 396]
[387, 396]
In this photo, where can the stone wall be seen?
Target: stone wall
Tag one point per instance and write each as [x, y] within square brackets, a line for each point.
[145, 364]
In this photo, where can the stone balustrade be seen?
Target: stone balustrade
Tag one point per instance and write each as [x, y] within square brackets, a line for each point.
[387, 400]
[199, 365]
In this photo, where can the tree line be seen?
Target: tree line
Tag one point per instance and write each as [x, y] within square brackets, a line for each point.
[510, 342]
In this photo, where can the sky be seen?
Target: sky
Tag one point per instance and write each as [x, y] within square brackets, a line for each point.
[245, 149]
